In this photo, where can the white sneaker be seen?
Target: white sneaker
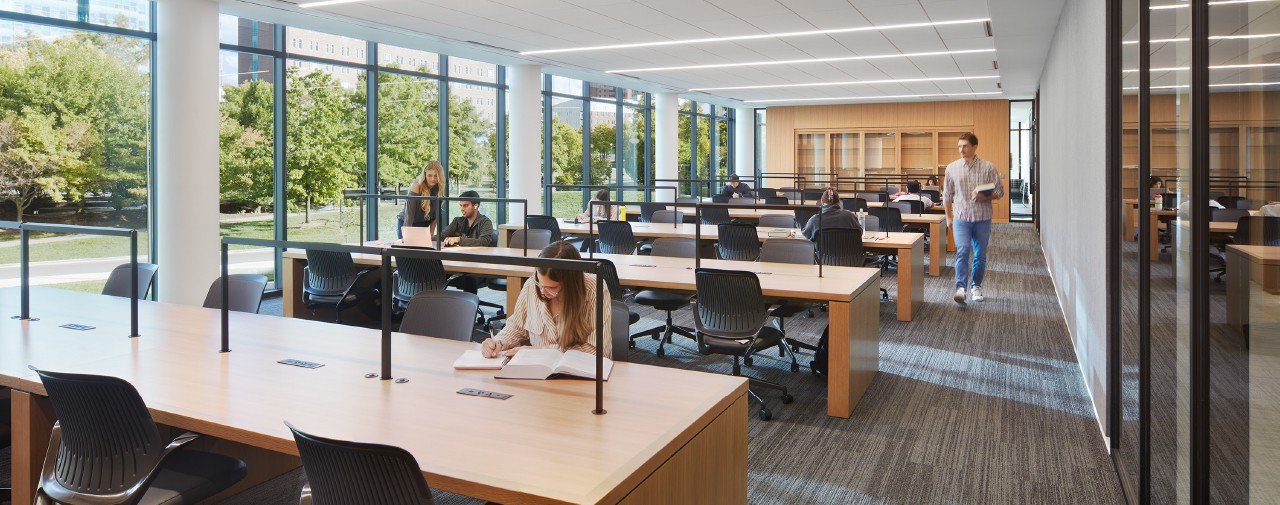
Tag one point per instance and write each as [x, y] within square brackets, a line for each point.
[977, 294]
[959, 296]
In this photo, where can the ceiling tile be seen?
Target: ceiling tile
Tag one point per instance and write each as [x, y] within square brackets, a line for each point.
[895, 14]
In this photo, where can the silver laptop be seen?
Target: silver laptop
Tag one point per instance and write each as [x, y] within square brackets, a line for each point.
[417, 236]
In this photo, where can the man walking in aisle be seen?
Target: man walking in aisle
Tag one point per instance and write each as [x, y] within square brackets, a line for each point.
[972, 183]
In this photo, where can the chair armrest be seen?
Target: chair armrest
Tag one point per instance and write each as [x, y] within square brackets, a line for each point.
[180, 441]
[361, 275]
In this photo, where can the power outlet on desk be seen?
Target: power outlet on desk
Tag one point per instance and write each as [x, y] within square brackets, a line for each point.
[486, 394]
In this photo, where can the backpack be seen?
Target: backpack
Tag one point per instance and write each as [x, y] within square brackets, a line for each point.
[819, 363]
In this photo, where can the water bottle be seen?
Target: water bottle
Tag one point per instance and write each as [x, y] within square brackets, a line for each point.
[1159, 202]
[622, 213]
[862, 219]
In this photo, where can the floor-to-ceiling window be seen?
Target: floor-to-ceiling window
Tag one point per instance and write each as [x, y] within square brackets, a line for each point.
[75, 133]
[1196, 312]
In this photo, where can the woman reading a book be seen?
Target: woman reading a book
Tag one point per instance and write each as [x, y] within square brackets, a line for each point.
[556, 309]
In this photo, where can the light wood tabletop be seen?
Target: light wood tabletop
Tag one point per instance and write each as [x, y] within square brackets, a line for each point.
[851, 295]
[543, 445]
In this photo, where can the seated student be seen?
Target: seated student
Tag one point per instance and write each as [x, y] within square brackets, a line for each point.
[735, 189]
[913, 193]
[600, 212]
[832, 215]
[556, 308]
[471, 228]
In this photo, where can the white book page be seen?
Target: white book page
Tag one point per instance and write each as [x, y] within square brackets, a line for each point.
[582, 364]
[474, 360]
[531, 364]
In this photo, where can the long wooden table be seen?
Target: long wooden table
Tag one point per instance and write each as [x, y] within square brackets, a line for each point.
[908, 246]
[851, 295]
[669, 435]
[1249, 266]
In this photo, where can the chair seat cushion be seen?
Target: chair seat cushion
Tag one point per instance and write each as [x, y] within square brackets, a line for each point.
[498, 284]
[768, 337]
[662, 300]
[328, 301]
[192, 476]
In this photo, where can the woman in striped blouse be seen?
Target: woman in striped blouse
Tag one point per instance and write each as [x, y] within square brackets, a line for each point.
[556, 308]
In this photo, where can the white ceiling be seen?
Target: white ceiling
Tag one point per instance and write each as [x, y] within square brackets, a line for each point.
[1023, 30]
[1231, 19]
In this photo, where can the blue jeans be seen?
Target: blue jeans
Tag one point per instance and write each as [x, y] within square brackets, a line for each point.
[399, 225]
[971, 238]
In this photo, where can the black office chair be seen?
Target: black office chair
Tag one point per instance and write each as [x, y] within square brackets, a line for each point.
[888, 189]
[688, 199]
[872, 197]
[742, 201]
[853, 204]
[737, 241]
[776, 200]
[413, 276]
[1214, 195]
[244, 293]
[719, 199]
[1233, 201]
[1258, 230]
[119, 283]
[796, 251]
[934, 196]
[441, 314]
[1244, 203]
[1219, 250]
[331, 281]
[667, 216]
[353, 472]
[615, 237]
[789, 193]
[105, 448]
[778, 221]
[647, 210]
[909, 206]
[811, 195]
[802, 216]
[715, 215]
[534, 240]
[731, 318]
[841, 247]
[666, 300]
[620, 331]
[549, 223]
[766, 192]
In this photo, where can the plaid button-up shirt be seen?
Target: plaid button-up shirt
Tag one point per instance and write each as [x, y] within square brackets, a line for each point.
[958, 187]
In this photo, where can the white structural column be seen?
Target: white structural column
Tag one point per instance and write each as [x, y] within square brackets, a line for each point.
[665, 130]
[744, 142]
[524, 128]
[186, 170]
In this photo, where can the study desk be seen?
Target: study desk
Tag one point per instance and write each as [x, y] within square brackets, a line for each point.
[669, 435]
[1253, 277]
[1158, 216]
[908, 246]
[851, 295]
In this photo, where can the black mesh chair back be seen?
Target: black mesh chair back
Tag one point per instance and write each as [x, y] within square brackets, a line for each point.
[853, 204]
[738, 242]
[1214, 195]
[811, 195]
[906, 207]
[788, 250]
[329, 273]
[778, 221]
[715, 215]
[888, 189]
[416, 275]
[244, 293]
[647, 210]
[541, 222]
[766, 192]
[620, 331]
[804, 215]
[841, 247]
[668, 216]
[530, 239]
[675, 247]
[934, 196]
[776, 200]
[890, 218]
[1169, 201]
[441, 314]
[872, 197]
[730, 304]
[687, 199]
[1258, 230]
[341, 472]
[1231, 201]
[119, 284]
[1243, 203]
[1228, 215]
[609, 272]
[789, 193]
[719, 199]
[742, 201]
[615, 237]
[872, 223]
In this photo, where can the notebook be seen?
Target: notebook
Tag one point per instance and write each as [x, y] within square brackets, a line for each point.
[545, 363]
[417, 236]
[474, 360]
[985, 189]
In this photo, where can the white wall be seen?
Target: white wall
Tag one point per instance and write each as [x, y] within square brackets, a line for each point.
[1072, 182]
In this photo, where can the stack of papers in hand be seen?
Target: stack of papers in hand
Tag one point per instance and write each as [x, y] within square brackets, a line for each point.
[473, 360]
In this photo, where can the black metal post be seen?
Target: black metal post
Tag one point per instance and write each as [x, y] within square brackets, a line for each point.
[600, 301]
[133, 280]
[24, 269]
[226, 302]
[386, 315]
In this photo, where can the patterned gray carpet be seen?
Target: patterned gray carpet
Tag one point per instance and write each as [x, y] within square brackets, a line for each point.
[976, 404]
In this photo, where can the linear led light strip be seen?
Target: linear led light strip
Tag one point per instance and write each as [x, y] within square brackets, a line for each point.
[1224, 85]
[754, 37]
[323, 3]
[930, 95]
[1219, 2]
[846, 83]
[1212, 37]
[792, 62]
[1215, 67]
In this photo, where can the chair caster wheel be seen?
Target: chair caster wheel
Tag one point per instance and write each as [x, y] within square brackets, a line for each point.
[795, 367]
[655, 337]
[631, 344]
[765, 415]
[809, 313]
[787, 399]
[661, 353]
[795, 348]
[748, 361]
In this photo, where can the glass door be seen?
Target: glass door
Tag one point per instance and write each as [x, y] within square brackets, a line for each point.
[917, 155]
[845, 154]
[881, 158]
[811, 155]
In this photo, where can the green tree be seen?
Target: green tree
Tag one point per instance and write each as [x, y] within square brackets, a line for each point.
[566, 153]
[246, 161]
[408, 127]
[326, 147]
[471, 156]
[33, 152]
[603, 139]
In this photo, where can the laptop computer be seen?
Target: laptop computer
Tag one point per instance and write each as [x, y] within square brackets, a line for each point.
[417, 236]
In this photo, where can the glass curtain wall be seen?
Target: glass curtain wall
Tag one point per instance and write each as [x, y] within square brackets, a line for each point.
[75, 133]
[1196, 322]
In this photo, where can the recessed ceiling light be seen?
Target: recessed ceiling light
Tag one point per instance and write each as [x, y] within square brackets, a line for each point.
[827, 99]
[323, 3]
[755, 37]
[1219, 2]
[792, 62]
[1214, 67]
[847, 83]
[1212, 37]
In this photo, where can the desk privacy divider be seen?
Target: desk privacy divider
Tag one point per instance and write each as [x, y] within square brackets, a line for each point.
[24, 261]
[524, 204]
[648, 190]
[586, 266]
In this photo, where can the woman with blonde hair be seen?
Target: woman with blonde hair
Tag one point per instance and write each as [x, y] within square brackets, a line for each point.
[423, 212]
[556, 309]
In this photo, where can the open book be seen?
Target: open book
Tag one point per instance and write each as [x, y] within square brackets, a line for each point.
[544, 363]
[985, 189]
[474, 360]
